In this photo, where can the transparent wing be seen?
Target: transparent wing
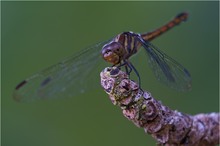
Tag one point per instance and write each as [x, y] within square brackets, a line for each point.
[65, 79]
[166, 69]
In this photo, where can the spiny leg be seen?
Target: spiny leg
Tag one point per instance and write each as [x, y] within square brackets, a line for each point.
[131, 67]
[126, 67]
[127, 64]
[128, 71]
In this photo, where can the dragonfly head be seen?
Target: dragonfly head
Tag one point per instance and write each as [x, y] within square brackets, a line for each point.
[112, 52]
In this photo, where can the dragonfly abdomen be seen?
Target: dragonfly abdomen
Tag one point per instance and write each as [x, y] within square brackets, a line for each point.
[174, 22]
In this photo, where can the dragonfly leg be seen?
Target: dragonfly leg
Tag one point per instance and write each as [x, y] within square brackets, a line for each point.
[127, 69]
[131, 67]
[122, 64]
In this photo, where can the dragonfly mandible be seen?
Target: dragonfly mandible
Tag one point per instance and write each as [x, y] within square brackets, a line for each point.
[71, 76]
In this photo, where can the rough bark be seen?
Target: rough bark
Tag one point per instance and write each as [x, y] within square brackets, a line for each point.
[168, 127]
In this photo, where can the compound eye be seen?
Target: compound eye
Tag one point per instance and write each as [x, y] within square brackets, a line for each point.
[116, 47]
[112, 52]
[108, 52]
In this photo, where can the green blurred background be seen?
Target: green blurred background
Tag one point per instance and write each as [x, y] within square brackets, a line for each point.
[36, 35]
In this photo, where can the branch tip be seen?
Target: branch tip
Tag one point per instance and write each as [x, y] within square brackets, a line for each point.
[168, 127]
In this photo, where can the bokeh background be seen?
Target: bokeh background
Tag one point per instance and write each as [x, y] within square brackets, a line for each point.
[36, 35]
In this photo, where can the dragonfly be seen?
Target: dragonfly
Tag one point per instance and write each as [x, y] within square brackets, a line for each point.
[74, 74]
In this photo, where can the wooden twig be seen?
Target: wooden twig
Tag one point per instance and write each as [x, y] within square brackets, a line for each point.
[168, 127]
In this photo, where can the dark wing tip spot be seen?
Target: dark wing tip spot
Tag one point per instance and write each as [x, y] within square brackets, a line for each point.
[20, 85]
[46, 81]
